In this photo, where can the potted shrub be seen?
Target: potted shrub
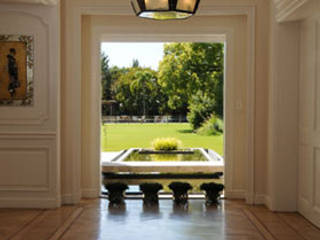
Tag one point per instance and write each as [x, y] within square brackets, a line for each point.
[150, 193]
[212, 192]
[180, 192]
[116, 192]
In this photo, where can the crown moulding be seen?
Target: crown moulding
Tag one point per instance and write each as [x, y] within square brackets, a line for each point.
[41, 2]
[285, 8]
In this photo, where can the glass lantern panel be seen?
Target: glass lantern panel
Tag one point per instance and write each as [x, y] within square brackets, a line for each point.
[186, 5]
[157, 4]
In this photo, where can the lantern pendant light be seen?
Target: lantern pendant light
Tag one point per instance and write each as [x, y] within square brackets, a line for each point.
[165, 9]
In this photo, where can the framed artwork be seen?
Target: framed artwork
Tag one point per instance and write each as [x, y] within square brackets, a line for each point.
[16, 70]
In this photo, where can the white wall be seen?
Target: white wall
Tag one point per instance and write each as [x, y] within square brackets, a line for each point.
[283, 115]
[294, 119]
[309, 118]
[29, 146]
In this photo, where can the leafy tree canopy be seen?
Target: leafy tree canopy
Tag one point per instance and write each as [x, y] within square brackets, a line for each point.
[138, 92]
[188, 68]
[189, 80]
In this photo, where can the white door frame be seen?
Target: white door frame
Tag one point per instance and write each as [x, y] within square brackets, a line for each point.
[73, 118]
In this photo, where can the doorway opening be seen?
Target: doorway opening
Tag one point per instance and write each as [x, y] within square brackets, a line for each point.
[162, 113]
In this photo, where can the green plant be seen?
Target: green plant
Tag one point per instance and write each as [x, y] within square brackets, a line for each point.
[166, 144]
[212, 126]
[201, 108]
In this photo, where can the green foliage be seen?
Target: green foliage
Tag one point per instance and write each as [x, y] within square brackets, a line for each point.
[188, 68]
[109, 77]
[201, 107]
[138, 92]
[105, 77]
[144, 81]
[135, 63]
[166, 144]
[212, 126]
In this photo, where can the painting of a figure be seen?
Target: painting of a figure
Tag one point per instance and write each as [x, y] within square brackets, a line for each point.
[16, 70]
[14, 82]
[13, 70]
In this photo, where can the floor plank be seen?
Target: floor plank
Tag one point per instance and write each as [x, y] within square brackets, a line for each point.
[274, 224]
[94, 220]
[45, 225]
[66, 225]
[261, 228]
[167, 222]
[14, 220]
[301, 226]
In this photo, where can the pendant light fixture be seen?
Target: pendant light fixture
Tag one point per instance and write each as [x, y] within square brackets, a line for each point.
[165, 9]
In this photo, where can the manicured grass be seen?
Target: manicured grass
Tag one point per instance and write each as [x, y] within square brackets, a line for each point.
[116, 137]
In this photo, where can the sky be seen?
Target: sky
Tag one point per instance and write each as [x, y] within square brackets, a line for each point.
[121, 54]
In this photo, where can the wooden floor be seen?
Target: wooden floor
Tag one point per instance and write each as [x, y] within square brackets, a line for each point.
[92, 219]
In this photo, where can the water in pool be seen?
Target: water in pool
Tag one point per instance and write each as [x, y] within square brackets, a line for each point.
[137, 156]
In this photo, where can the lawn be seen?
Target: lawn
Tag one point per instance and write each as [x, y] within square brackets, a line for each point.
[116, 137]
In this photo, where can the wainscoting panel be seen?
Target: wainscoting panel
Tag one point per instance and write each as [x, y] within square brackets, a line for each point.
[29, 166]
[24, 167]
[29, 135]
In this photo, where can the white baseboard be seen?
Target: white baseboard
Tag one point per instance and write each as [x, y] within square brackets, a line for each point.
[235, 194]
[309, 211]
[85, 193]
[90, 193]
[66, 199]
[260, 199]
[42, 203]
[70, 198]
[268, 202]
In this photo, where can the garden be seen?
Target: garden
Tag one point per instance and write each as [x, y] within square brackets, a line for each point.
[119, 136]
[186, 89]
[187, 84]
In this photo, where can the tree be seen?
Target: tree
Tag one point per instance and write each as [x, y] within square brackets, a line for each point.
[106, 79]
[189, 68]
[142, 82]
[106, 82]
[189, 80]
[138, 87]
[200, 109]
[135, 63]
